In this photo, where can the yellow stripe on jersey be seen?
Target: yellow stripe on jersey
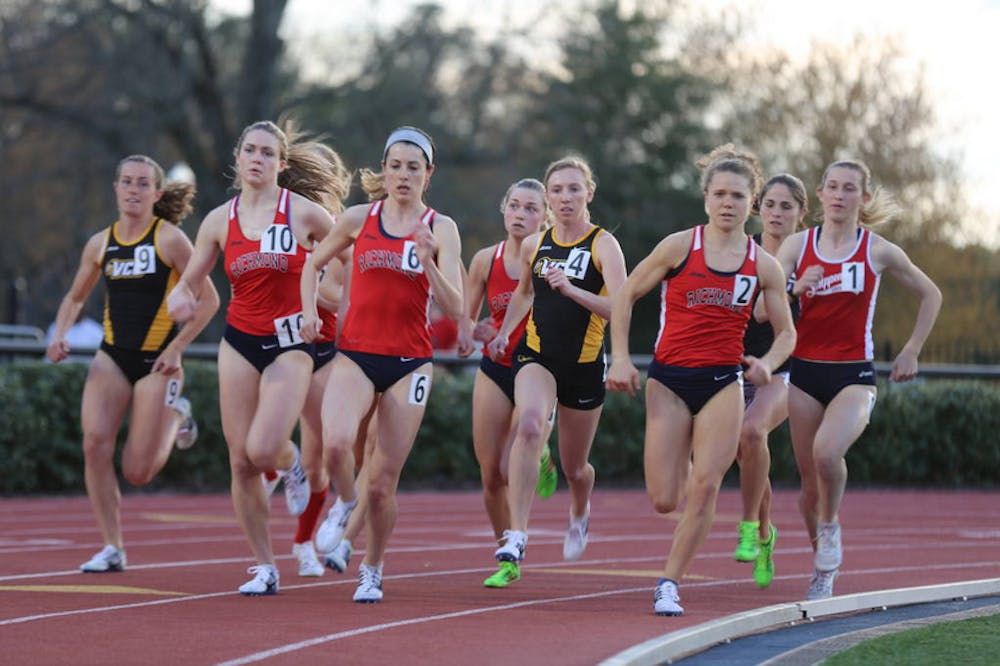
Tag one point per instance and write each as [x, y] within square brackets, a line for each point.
[162, 324]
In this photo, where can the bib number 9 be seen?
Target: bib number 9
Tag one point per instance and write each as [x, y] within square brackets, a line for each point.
[173, 392]
[144, 260]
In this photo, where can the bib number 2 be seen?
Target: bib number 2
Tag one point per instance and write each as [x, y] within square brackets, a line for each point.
[743, 288]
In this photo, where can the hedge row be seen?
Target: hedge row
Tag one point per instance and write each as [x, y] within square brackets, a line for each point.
[934, 433]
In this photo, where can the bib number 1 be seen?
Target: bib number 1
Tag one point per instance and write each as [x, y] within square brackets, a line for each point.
[852, 277]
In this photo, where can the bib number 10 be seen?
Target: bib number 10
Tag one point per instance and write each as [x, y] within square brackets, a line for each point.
[278, 239]
[287, 330]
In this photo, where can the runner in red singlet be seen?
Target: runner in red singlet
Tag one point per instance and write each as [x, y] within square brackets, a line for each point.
[837, 267]
[694, 404]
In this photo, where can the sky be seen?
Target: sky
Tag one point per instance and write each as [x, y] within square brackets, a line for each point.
[956, 43]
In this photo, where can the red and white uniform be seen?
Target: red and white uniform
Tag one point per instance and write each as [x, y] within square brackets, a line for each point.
[704, 313]
[265, 275]
[835, 321]
[499, 289]
[389, 310]
[328, 329]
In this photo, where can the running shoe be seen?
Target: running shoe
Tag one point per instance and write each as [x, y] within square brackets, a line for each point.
[264, 581]
[187, 433]
[338, 558]
[369, 585]
[547, 476]
[505, 575]
[309, 566]
[763, 566]
[108, 559]
[512, 550]
[296, 487]
[270, 485]
[821, 585]
[576, 536]
[829, 553]
[665, 598]
[331, 531]
[748, 547]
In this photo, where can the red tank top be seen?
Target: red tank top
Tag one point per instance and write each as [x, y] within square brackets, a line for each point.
[390, 294]
[265, 275]
[704, 313]
[328, 331]
[499, 289]
[835, 319]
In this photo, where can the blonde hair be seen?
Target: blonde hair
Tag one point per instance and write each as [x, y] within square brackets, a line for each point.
[881, 205]
[573, 162]
[373, 183]
[312, 168]
[730, 159]
[174, 203]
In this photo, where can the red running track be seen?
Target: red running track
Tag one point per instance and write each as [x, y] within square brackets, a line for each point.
[177, 601]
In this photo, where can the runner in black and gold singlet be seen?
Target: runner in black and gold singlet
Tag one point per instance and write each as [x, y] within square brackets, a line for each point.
[568, 275]
[137, 280]
[139, 362]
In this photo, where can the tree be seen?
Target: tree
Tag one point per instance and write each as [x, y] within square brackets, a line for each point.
[85, 82]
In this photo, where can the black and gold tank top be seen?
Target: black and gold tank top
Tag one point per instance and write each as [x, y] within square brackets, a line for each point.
[558, 327]
[137, 282]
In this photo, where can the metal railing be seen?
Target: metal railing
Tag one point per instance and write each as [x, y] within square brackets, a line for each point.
[26, 345]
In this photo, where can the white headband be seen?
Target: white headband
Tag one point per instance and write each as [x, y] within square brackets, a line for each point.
[410, 136]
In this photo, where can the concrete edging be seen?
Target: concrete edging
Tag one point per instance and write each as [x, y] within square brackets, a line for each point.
[685, 642]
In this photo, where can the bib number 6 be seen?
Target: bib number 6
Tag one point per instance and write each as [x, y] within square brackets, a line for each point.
[411, 262]
[420, 388]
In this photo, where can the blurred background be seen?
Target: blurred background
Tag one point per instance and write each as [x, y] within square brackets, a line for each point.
[641, 89]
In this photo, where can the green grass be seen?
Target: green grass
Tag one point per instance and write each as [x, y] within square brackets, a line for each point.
[971, 642]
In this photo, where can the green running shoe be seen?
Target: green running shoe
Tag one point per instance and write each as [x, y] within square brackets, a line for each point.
[763, 566]
[749, 545]
[505, 575]
[547, 476]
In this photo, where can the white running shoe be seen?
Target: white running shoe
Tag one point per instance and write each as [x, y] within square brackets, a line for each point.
[338, 558]
[369, 585]
[576, 536]
[665, 598]
[296, 487]
[512, 550]
[264, 581]
[309, 566]
[821, 585]
[270, 485]
[108, 559]
[331, 531]
[187, 433]
[829, 553]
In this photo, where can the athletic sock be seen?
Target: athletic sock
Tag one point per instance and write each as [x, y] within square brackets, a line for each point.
[309, 517]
